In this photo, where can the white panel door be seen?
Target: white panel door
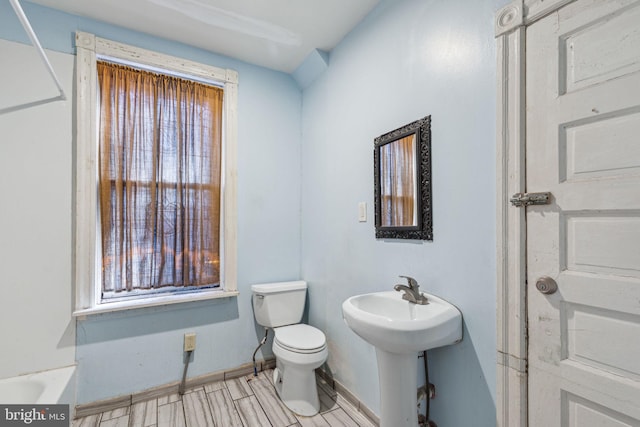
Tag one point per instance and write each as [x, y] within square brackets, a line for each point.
[583, 145]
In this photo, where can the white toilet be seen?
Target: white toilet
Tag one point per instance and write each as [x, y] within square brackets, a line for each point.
[299, 348]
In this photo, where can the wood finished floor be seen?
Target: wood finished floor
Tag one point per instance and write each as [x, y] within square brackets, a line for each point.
[241, 402]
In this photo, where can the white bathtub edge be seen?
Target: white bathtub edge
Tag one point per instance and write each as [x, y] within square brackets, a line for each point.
[59, 386]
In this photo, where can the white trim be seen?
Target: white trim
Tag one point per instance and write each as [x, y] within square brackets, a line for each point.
[155, 301]
[230, 189]
[104, 47]
[510, 26]
[511, 392]
[509, 18]
[86, 164]
[538, 9]
[88, 48]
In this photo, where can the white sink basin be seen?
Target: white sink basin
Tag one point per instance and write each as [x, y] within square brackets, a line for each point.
[392, 324]
[399, 330]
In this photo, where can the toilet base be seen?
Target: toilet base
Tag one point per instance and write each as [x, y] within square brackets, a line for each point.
[299, 394]
[295, 383]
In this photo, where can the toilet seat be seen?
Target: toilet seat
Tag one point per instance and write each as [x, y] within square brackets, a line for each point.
[300, 338]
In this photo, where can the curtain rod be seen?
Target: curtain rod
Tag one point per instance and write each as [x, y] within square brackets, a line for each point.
[36, 43]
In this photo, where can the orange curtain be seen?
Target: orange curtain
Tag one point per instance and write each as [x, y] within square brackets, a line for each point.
[398, 182]
[159, 177]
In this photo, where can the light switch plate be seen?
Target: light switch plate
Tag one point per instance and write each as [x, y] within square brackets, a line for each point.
[362, 211]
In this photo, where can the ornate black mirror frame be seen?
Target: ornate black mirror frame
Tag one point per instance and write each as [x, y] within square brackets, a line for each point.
[423, 228]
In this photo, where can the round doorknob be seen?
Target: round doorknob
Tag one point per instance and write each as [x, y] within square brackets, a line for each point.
[546, 285]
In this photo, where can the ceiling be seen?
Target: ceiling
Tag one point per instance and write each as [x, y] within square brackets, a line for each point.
[277, 34]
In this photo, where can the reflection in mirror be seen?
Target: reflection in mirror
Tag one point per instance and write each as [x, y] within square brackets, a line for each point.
[398, 182]
[402, 172]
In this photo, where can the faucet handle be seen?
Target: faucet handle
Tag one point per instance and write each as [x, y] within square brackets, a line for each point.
[413, 283]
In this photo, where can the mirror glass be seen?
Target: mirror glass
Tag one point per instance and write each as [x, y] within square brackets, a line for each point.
[398, 183]
[402, 169]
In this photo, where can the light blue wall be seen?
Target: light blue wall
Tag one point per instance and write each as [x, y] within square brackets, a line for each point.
[408, 59]
[127, 352]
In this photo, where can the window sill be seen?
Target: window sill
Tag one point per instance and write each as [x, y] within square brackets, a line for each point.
[154, 302]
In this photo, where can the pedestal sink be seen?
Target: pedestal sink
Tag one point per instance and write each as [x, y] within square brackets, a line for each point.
[399, 329]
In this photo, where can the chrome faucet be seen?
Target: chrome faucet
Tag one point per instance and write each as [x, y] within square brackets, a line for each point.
[411, 292]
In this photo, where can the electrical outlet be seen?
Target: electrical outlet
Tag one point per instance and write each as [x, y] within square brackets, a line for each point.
[190, 341]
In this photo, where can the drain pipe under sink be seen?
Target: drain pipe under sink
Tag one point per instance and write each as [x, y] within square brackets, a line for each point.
[425, 392]
[264, 340]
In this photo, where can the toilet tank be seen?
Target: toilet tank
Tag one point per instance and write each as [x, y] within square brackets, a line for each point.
[279, 304]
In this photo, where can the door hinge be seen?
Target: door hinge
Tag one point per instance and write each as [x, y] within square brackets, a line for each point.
[520, 200]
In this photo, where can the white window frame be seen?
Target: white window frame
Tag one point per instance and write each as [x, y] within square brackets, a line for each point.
[87, 262]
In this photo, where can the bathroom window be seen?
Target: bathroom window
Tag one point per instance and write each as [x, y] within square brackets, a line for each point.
[159, 176]
[155, 211]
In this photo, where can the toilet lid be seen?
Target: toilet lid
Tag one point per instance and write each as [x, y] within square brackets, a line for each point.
[300, 338]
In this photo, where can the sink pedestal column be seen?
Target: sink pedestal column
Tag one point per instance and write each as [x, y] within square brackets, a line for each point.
[398, 387]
